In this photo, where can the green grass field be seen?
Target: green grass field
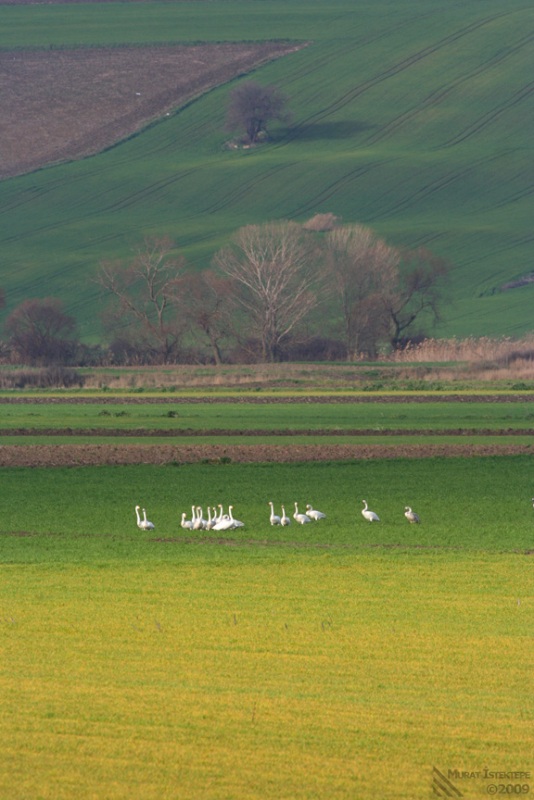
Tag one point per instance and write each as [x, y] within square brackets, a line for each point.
[410, 117]
[339, 659]
[274, 417]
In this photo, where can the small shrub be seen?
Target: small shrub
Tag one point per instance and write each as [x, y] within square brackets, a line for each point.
[322, 222]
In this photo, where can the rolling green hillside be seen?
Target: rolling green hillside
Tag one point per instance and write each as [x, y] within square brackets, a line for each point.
[411, 116]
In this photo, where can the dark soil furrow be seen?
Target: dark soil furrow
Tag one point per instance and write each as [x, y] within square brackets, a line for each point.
[98, 455]
[311, 432]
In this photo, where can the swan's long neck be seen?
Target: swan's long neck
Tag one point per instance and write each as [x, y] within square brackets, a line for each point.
[137, 514]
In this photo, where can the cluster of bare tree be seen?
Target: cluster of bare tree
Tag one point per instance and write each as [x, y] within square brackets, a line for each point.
[273, 289]
[278, 291]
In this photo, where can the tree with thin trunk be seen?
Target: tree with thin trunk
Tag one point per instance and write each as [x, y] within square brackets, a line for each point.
[419, 293]
[275, 269]
[363, 270]
[207, 303]
[145, 292]
[252, 106]
[41, 332]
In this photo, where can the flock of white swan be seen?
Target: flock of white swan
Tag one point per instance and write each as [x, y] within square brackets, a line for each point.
[217, 520]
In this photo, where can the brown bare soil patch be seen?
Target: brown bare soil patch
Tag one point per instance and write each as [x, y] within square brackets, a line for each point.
[96, 455]
[62, 105]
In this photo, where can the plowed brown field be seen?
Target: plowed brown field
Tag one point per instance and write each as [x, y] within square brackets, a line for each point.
[60, 105]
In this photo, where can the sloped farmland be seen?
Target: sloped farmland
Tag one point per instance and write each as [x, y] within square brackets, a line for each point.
[61, 105]
[411, 117]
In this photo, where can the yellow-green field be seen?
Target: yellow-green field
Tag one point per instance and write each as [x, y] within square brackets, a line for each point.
[332, 660]
[287, 676]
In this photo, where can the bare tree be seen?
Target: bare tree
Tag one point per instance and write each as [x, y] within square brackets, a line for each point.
[146, 292]
[208, 303]
[419, 293]
[252, 106]
[41, 332]
[364, 270]
[274, 267]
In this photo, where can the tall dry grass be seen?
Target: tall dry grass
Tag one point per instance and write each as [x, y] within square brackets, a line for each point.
[482, 351]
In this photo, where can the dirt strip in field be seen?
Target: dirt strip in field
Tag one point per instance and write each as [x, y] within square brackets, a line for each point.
[97, 455]
[178, 433]
[258, 399]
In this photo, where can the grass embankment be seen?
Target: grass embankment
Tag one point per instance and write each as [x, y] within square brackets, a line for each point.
[338, 659]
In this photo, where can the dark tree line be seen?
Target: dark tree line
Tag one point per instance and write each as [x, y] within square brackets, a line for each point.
[278, 291]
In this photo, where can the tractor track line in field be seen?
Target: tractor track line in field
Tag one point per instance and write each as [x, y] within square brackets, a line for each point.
[440, 94]
[240, 191]
[390, 72]
[333, 188]
[491, 116]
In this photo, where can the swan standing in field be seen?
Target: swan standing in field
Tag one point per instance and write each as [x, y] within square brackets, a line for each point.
[369, 515]
[220, 515]
[313, 513]
[410, 515]
[225, 522]
[146, 524]
[211, 520]
[274, 518]
[139, 520]
[236, 523]
[186, 523]
[284, 519]
[198, 523]
[300, 518]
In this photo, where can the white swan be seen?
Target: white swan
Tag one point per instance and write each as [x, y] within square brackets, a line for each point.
[198, 523]
[313, 513]
[186, 523]
[211, 520]
[284, 519]
[410, 515]
[147, 525]
[223, 524]
[274, 518]
[301, 518]
[369, 515]
[139, 520]
[236, 523]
